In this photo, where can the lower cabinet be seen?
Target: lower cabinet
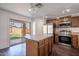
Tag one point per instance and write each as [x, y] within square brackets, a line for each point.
[75, 41]
[39, 48]
[46, 52]
[45, 47]
[31, 48]
[49, 45]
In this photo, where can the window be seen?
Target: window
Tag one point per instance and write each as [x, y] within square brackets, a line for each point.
[45, 29]
[34, 28]
[48, 29]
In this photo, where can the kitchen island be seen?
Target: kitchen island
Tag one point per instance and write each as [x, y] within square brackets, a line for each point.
[39, 45]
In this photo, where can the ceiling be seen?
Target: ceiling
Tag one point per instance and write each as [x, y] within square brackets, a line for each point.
[51, 10]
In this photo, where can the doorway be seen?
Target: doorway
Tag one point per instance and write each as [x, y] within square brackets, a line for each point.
[18, 30]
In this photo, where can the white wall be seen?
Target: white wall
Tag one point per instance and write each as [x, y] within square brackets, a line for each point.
[39, 26]
[39, 22]
[4, 26]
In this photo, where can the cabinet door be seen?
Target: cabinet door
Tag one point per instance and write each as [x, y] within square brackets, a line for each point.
[75, 41]
[78, 41]
[46, 47]
[31, 48]
[52, 41]
[41, 48]
[50, 45]
[75, 21]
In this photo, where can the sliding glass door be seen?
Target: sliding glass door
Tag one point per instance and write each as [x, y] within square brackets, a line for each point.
[16, 35]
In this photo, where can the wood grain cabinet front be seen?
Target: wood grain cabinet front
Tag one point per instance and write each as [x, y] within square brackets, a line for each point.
[49, 45]
[75, 41]
[46, 47]
[75, 21]
[39, 48]
[31, 48]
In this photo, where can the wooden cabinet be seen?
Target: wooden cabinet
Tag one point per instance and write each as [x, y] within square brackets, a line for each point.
[75, 21]
[75, 41]
[39, 48]
[31, 48]
[46, 47]
[50, 45]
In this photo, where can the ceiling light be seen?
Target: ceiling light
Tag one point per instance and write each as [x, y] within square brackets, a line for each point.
[67, 10]
[29, 10]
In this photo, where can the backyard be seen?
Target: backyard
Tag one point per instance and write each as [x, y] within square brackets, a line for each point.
[15, 36]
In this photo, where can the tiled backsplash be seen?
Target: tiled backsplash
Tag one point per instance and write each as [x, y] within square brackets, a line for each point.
[75, 29]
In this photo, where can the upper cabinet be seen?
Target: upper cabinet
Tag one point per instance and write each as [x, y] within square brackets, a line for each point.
[75, 21]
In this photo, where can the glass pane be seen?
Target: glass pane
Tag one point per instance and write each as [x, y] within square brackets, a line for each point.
[28, 28]
[50, 29]
[18, 25]
[45, 29]
[34, 28]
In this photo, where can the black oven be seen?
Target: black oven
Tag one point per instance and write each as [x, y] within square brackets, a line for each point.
[65, 39]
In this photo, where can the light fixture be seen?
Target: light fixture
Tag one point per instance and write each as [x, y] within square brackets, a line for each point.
[34, 9]
[67, 10]
[29, 10]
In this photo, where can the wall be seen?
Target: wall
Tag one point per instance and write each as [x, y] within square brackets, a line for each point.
[5, 16]
[39, 22]
[39, 26]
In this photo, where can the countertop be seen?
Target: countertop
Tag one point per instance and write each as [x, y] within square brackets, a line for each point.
[37, 37]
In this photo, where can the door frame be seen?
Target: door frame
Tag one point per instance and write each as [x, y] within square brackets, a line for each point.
[23, 29]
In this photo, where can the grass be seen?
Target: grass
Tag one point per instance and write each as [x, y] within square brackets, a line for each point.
[15, 36]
